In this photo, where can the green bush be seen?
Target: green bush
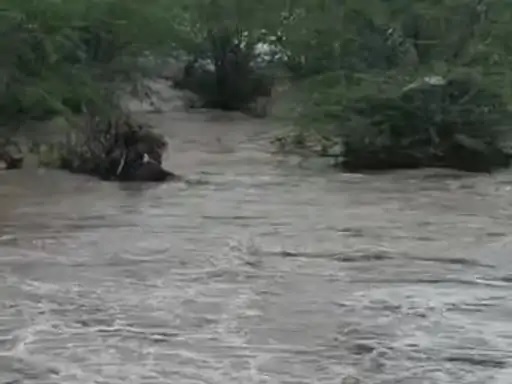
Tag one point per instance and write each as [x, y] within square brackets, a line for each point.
[60, 57]
[232, 82]
[390, 121]
[455, 122]
[364, 91]
[80, 57]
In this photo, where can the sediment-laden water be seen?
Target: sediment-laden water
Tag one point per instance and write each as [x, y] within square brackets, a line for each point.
[254, 271]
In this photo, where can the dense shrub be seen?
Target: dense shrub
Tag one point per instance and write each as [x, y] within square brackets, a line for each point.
[115, 148]
[457, 122]
[231, 82]
[64, 56]
[369, 98]
[77, 58]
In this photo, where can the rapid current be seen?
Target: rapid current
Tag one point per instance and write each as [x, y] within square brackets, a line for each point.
[254, 271]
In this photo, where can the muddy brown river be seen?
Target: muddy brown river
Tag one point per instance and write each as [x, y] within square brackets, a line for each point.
[255, 271]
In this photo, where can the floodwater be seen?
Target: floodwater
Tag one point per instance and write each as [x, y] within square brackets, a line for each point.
[254, 271]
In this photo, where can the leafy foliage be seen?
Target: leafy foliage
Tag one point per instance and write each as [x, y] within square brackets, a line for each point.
[353, 58]
[225, 34]
[362, 95]
[436, 122]
[59, 55]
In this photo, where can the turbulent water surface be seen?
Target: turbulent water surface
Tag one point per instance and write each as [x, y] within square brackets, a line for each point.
[255, 271]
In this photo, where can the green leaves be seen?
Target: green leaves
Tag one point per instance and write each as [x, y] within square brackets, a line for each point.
[54, 51]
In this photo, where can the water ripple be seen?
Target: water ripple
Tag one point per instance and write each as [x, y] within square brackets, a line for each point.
[254, 274]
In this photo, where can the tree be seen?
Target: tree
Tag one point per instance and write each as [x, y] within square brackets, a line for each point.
[56, 53]
[225, 33]
[376, 51]
[78, 57]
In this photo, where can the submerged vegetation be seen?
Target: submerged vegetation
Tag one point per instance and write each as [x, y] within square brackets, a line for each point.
[384, 85]
[115, 148]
